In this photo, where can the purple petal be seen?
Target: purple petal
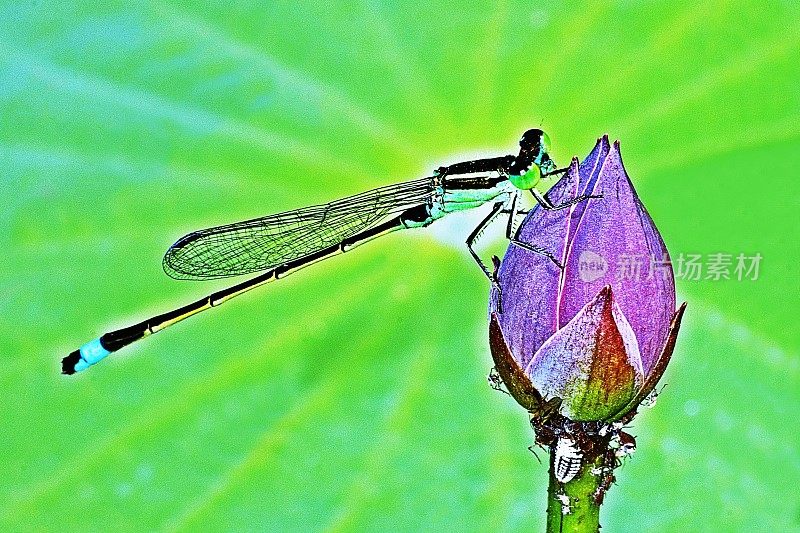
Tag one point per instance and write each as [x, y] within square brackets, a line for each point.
[514, 377]
[660, 366]
[529, 280]
[590, 171]
[592, 363]
[616, 232]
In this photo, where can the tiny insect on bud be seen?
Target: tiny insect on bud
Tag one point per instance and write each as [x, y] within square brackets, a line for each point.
[649, 401]
[627, 445]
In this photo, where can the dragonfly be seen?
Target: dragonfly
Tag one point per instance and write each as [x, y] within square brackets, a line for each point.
[281, 244]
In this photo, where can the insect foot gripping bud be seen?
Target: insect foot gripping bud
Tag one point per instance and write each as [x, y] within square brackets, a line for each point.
[575, 343]
[567, 460]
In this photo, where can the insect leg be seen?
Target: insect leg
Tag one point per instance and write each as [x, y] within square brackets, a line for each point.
[512, 237]
[554, 172]
[537, 250]
[542, 200]
[511, 215]
[514, 215]
[496, 282]
[475, 235]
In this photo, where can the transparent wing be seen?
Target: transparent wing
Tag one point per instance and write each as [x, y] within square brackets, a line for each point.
[267, 242]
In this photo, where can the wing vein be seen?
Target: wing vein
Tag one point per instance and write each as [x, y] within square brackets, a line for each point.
[267, 242]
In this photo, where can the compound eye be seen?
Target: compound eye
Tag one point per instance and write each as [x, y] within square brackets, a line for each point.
[528, 180]
[545, 143]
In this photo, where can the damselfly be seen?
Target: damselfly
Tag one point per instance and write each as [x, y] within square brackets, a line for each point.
[278, 245]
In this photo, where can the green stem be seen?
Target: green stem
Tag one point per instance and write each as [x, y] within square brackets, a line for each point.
[584, 513]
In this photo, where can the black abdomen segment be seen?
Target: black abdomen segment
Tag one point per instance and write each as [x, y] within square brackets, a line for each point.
[115, 340]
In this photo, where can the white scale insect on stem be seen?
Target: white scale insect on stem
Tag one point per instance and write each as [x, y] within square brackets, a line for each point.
[564, 499]
[568, 460]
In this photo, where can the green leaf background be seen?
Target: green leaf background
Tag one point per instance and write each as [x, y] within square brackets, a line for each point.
[353, 396]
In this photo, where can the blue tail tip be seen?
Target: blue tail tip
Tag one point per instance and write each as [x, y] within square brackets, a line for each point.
[84, 357]
[69, 362]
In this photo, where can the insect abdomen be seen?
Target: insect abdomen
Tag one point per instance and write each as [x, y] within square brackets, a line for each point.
[567, 461]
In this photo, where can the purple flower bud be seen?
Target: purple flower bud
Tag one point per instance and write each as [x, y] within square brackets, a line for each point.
[597, 329]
